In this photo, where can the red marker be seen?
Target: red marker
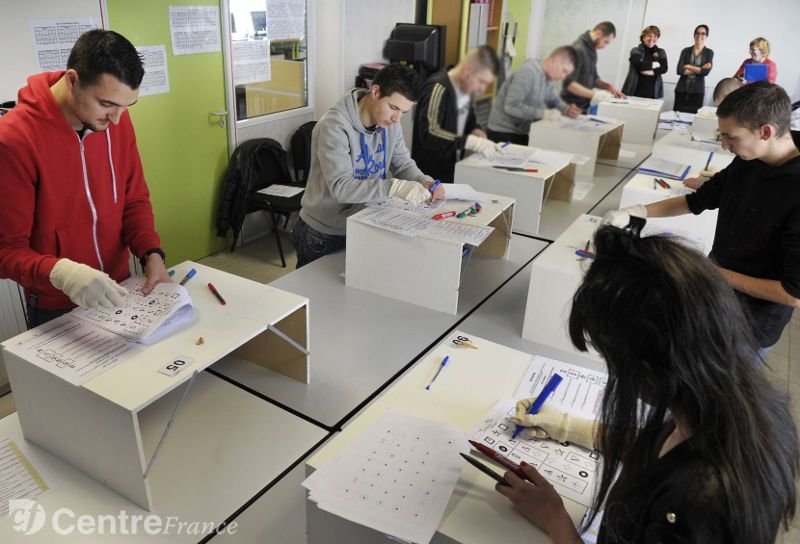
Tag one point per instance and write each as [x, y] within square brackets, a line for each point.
[444, 215]
[663, 184]
[216, 294]
[500, 459]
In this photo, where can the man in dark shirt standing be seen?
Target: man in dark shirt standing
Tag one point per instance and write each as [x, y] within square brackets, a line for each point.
[579, 86]
[757, 239]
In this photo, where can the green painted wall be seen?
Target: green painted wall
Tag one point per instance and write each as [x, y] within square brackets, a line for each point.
[184, 151]
[520, 11]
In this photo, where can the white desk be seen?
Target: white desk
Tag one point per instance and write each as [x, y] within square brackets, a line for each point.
[555, 276]
[639, 190]
[465, 390]
[679, 147]
[602, 141]
[356, 351]
[103, 427]
[640, 116]
[424, 270]
[553, 181]
[222, 452]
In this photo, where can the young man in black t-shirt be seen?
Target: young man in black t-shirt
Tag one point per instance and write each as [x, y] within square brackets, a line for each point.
[757, 239]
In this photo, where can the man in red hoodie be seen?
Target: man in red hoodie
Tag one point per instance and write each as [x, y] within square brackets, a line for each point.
[74, 200]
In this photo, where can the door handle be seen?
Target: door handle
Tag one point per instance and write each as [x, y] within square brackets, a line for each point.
[222, 115]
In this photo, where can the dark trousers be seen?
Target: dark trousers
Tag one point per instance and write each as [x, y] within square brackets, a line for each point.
[688, 102]
[312, 244]
[38, 316]
[500, 137]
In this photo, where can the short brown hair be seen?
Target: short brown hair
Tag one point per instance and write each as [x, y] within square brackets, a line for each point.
[567, 52]
[606, 28]
[652, 29]
[757, 104]
[484, 57]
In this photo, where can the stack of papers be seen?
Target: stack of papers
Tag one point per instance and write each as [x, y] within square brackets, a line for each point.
[654, 166]
[414, 223]
[675, 120]
[396, 478]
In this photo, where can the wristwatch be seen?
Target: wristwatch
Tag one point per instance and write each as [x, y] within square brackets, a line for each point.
[146, 254]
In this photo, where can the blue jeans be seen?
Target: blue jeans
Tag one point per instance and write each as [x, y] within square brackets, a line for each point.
[312, 244]
[37, 316]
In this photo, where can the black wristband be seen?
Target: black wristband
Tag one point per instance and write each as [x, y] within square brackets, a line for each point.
[146, 254]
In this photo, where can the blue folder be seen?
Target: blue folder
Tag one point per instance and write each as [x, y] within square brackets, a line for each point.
[755, 72]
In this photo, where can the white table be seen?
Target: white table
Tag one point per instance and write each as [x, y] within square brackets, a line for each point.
[555, 276]
[593, 139]
[680, 147]
[698, 228]
[105, 427]
[222, 452]
[361, 340]
[640, 116]
[424, 270]
[554, 180]
[465, 390]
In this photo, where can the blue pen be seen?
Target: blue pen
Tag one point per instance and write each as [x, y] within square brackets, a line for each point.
[188, 276]
[435, 185]
[505, 144]
[441, 366]
[555, 379]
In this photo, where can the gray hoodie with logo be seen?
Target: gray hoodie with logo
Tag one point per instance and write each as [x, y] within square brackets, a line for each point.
[351, 166]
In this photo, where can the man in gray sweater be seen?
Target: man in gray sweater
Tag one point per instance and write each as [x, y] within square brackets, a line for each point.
[358, 156]
[527, 94]
[579, 86]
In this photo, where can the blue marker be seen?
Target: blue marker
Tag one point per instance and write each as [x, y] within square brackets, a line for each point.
[505, 144]
[441, 366]
[435, 185]
[555, 379]
[188, 276]
[171, 273]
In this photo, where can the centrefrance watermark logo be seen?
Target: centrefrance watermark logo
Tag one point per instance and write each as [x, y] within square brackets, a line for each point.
[29, 517]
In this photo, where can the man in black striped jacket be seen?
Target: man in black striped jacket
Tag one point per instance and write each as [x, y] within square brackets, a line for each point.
[444, 119]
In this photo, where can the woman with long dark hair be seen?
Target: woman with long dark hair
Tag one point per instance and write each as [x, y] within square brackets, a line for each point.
[697, 445]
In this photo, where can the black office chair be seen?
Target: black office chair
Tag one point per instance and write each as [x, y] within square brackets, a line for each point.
[255, 165]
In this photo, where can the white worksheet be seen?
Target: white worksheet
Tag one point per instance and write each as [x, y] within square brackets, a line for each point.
[571, 469]
[20, 481]
[285, 191]
[413, 223]
[73, 349]
[426, 209]
[397, 477]
[580, 392]
[143, 318]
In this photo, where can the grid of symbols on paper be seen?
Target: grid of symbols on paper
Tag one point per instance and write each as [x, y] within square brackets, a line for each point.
[138, 312]
[566, 466]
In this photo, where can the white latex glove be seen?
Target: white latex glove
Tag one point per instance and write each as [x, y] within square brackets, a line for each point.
[411, 191]
[86, 286]
[485, 147]
[552, 115]
[621, 218]
[656, 64]
[601, 96]
[552, 423]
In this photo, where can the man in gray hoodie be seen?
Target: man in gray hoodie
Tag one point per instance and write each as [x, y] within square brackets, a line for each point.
[357, 156]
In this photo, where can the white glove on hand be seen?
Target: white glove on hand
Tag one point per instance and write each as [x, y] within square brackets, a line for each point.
[552, 115]
[86, 286]
[553, 423]
[485, 147]
[601, 96]
[410, 191]
[656, 64]
[621, 218]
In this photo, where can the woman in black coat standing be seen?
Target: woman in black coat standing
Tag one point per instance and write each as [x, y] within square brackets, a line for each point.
[693, 66]
[647, 63]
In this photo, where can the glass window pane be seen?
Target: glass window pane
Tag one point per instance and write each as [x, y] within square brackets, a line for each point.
[269, 49]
